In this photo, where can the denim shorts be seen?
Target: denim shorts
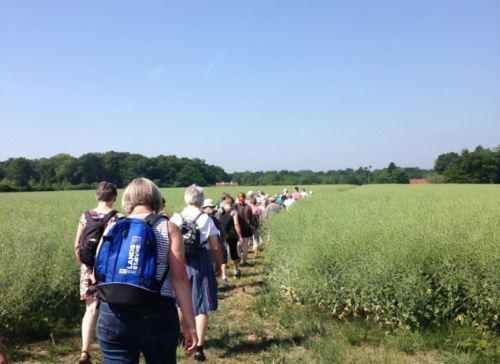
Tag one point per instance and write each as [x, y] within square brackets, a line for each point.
[125, 332]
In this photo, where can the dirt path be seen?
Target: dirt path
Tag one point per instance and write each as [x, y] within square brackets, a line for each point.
[237, 334]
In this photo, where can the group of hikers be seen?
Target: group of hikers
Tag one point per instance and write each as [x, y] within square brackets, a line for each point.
[149, 281]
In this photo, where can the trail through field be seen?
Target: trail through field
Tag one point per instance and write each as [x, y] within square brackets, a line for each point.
[236, 333]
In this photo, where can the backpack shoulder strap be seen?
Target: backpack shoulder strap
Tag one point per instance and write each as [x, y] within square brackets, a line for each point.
[153, 218]
[196, 218]
[106, 218]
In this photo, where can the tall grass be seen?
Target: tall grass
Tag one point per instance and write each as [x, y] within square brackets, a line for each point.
[400, 256]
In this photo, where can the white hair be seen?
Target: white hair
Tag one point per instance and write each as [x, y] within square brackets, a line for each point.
[194, 195]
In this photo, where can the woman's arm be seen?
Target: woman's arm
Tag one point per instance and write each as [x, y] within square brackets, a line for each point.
[237, 228]
[77, 243]
[182, 287]
[215, 252]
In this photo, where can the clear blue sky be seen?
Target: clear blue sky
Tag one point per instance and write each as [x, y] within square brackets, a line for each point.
[251, 85]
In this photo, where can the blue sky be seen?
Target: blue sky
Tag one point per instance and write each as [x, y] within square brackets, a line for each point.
[251, 85]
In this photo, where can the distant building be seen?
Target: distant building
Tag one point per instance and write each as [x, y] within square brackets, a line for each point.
[418, 181]
[232, 183]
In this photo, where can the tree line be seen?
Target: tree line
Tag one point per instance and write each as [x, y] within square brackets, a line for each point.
[479, 166]
[64, 172]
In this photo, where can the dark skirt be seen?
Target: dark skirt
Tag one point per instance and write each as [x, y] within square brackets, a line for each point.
[233, 250]
[201, 274]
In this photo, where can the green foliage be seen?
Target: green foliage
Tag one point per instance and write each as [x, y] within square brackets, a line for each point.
[64, 172]
[39, 277]
[399, 256]
[395, 174]
[444, 161]
[480, 166]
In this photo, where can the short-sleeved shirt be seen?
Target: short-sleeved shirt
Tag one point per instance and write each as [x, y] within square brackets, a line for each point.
[204, 222]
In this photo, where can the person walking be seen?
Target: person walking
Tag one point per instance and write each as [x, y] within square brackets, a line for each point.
[100, 217]
[246, 223]
[153, 329]
[258, 212]
[231, 233]
[200, 265]
[209, 208]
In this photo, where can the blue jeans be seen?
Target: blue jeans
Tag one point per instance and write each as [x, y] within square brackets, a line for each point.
[125, 332]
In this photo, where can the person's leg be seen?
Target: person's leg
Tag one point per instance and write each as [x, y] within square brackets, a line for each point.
[223, 267]
[233, 251]
[115, 341]
[88, 325]
[256, 243]
[244, 250]
[160, 335]
[201, 329]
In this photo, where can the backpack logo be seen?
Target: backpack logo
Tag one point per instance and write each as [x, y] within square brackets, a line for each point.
[192, 236]
[133, 253]
[91, 235]
[126, 263]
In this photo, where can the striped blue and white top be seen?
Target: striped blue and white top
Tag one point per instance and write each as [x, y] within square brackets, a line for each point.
[160, 229]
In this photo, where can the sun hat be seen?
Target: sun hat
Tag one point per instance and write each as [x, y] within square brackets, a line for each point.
[250, 193]
[208, 203]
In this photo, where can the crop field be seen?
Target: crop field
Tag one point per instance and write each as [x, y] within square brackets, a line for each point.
[402, 257]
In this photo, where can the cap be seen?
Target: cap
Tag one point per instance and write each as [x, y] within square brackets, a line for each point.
[208, 203]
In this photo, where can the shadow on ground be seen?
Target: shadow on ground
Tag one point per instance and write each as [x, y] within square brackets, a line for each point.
[245, 346]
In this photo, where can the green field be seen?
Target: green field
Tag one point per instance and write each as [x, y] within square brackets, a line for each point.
[399, 257]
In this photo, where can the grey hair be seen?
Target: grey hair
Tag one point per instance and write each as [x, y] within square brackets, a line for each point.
[194, 195]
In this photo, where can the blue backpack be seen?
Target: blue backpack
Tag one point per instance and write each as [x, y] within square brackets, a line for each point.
[125, 267]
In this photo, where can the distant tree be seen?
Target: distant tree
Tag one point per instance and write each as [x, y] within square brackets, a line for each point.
[269, 178]
[112, 163]
[391, 174]
[65, 170]
[189, 175]
[497, 159]
[133, 166]
[90, 168]
[19, 171]
[479, 166]
[45, 173]
[399, 176]
[391, 168]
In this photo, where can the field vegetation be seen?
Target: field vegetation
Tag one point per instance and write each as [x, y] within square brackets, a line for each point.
[346, 272]
[403, 258]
